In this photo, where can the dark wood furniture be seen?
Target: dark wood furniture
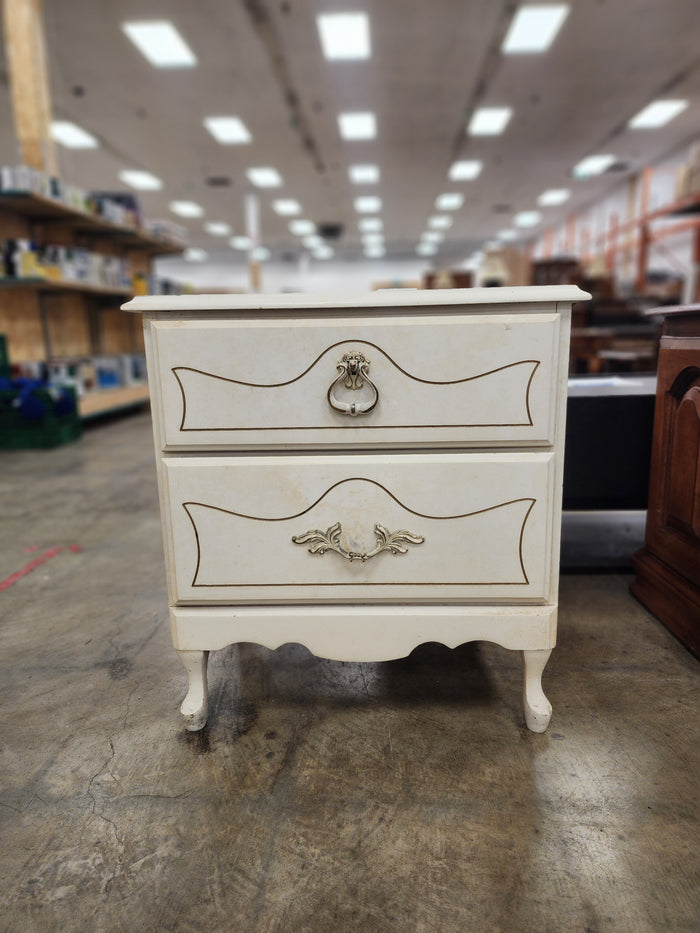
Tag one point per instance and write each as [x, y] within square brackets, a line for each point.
[668, 566]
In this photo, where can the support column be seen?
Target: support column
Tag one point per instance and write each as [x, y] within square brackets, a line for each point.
[29, 82]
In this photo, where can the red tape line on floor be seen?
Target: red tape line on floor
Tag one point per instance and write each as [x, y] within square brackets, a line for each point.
[33, 564]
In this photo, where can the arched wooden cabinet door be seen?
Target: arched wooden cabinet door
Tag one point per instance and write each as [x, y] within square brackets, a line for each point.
[668, 567]
[683, 488]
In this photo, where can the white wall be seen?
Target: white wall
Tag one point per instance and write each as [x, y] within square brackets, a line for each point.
[304, 276]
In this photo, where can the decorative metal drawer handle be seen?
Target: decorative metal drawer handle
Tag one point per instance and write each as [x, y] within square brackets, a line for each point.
[353, 375]
[329, 540]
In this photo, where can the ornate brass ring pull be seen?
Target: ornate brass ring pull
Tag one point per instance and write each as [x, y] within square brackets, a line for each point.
[393, 541]
[353, 376]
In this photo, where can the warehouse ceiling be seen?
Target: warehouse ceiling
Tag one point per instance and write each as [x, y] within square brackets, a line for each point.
[431, 64]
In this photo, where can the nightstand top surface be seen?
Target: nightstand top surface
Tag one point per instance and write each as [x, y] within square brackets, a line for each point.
[382, 298]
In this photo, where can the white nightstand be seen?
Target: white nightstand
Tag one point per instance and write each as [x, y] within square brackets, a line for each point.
[361, 475]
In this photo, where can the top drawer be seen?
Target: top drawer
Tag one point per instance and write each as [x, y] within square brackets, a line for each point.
[434, 380]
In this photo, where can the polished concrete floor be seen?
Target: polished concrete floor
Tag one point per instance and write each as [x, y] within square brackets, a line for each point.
[323, 796]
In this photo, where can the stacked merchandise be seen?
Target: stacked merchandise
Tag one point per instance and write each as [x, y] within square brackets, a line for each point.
[34, 413]
[23, 259]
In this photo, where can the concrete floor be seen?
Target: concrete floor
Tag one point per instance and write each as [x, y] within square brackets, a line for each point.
[401, 796]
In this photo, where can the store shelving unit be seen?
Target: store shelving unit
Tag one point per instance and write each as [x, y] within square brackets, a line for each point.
[48, 318]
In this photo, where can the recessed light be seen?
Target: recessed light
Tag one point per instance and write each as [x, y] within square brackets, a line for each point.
[426, 249]
[302, 227]
[440, 222]
[286, 207]
[489, 121]
[368, 205]
[344, 35]
[527, 219]
[143, 181]
[506, 235]
[357, 125]
[534, 27]
[432, 236]
[239, 242]
[657, 113]
[449, 202]
[466, 170]
[229, 131]
[313, 241]
[186, 209]
[593, 165]
[264, 177]
[553, 197]
[364, 174]
[72, 136]
[194, 254]
[370, 224]
[374, 252]
[218, 228]
[161, 43]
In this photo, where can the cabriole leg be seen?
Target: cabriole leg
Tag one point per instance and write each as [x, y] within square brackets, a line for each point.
[538, 709]
[194, 706]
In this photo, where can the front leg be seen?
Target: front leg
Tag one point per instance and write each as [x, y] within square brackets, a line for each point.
[538, 709]
[194, 706]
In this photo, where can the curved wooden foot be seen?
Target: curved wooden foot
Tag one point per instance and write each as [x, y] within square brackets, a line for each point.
[538, 709]
[194, 706]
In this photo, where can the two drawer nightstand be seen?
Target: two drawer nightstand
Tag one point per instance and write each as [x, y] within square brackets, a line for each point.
[361, 475]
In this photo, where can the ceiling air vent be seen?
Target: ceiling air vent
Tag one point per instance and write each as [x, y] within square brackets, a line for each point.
[330, 231]
[218, 181]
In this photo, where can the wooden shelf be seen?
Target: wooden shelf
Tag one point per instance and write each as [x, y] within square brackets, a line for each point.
[38, 207]
[57, 286]
[105, 401]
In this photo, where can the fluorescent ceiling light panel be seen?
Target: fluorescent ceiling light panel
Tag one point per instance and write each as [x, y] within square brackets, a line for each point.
[364, 174]
[357, 125]
[261, 253]
[302, 227]
[374, 252]
[489, 121]
[449, 202]
[218, 228]
[161, 43]
[467, 170]
[72, 136]
[186, 209]
[527, 219]
[506, 235]
[553, 196]
[534, 28]
[323, 252]
[370, 224]
[426, 249]
[368, 205]
[286, 207]
[264, 177]
[194, 254]
[440, 222]
[432, 236]
[593, 165]
[373, 239]
[229, 131]
[657, 113]
[143, 181]
[344, 35]
[239, 242]
[313, 241]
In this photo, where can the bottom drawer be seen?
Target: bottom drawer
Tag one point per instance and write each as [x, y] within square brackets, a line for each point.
[414, 527]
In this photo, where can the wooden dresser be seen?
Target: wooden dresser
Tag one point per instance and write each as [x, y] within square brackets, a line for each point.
[361, 475]
[668, 566]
